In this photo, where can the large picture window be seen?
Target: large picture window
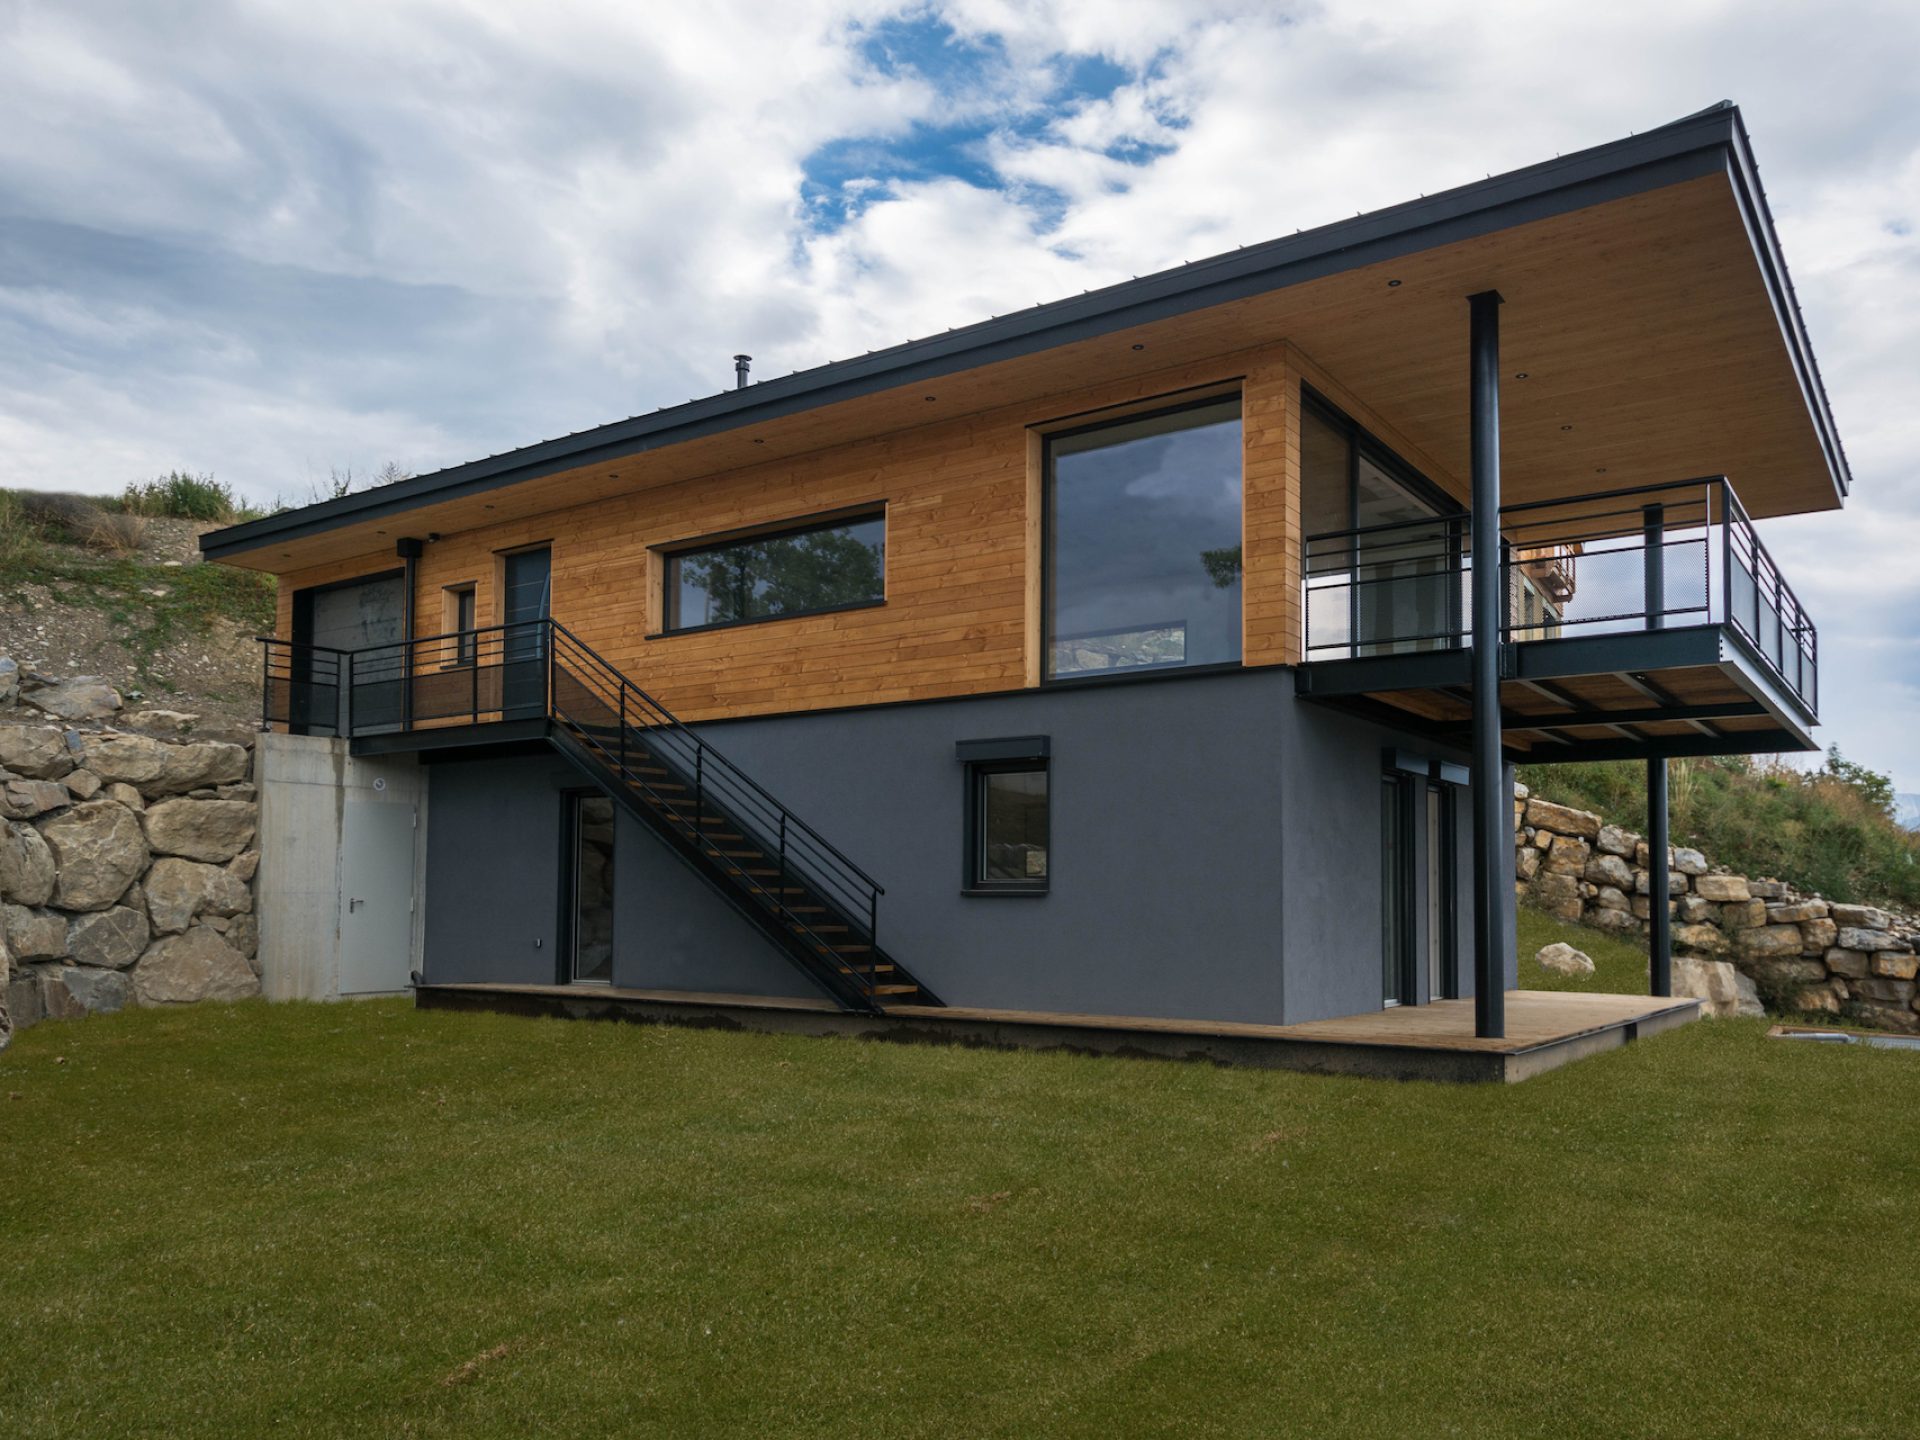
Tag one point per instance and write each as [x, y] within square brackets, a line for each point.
[1143, 543]
[832, 566]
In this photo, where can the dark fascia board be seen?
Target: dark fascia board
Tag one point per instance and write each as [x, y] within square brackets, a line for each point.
[1711, 141]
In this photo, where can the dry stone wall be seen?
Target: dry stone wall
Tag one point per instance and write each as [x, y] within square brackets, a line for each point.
[127, 854]
[1740, 944]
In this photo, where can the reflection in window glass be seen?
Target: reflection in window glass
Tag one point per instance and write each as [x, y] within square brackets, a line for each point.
[1012, 826]
[1143, 528]
[827, 567]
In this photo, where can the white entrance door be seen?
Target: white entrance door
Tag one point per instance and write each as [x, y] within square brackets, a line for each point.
[376, 897]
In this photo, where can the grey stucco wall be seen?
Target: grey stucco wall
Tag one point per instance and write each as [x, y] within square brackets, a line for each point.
[1214, 845]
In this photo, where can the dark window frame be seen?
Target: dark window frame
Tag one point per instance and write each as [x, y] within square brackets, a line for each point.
[1133, 414]
[465, 596]
[711, 544]
[973, 807]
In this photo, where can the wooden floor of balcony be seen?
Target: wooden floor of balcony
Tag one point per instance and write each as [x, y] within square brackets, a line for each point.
[1545, 1029]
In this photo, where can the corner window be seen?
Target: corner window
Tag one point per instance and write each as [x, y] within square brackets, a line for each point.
[1007, 807]
[1143, 542]
[807, 570]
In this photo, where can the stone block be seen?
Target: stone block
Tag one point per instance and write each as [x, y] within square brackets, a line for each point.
[1692, 909]
[1526, 862]
[1568, 856]
[24, 799]
[179, 891]
[27, 871]
[39, 752]
[1722, 887]
[110, 939]
[1817, 936]
[198, 965]
[1782, 974]
[1792, 912]
[1708, 938]
[1618, 922]
[1558, 895]
[1767, 889]
[1610, 897]
[1815, 998]
[1864, 916]
[1723, 989]
[1884, 991]
[99, 850]
[1689, 862]
[96, 992]
[1775, 940]
[33, 934]
[1610, 869]
[1850, 963]
[1612, 840]
[1643, 883]
[1896, 965]
[1547, 816]
[1744, 915]
[1853, 937]
[209, 830]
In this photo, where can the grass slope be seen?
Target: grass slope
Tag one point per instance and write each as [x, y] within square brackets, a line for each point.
[361, 1219]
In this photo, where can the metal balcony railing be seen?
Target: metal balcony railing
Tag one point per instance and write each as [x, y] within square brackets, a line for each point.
[1649, 558]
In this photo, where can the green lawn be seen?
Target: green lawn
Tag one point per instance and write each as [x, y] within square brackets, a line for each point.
[1619, 966]
[359, 1219]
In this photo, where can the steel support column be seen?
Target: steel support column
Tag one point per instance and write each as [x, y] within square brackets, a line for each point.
[1492, 809]
[1659, 922]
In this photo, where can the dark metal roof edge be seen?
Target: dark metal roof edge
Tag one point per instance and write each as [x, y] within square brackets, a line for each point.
[1744, 173]
[1684, 149]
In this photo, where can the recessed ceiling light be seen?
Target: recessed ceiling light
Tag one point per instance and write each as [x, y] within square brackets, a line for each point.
[1599, 469]
[1519, 374]
[1139, 347]
[929, 397]
[1566, 427]
[759, 442]
[1393, 284]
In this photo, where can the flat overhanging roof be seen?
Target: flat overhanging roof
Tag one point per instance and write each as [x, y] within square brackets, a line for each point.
[1648, 307]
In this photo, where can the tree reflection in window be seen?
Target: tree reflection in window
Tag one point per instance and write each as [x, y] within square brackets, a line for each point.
[825, 567]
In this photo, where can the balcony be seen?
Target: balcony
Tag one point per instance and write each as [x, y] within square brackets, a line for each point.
[1637, 623]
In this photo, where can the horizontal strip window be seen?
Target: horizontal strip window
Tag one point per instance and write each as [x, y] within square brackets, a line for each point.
[807, 570]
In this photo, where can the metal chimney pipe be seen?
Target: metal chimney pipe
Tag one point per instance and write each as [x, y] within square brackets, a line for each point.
[741, 363]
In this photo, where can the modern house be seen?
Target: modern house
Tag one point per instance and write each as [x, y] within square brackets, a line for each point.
[1121, 666]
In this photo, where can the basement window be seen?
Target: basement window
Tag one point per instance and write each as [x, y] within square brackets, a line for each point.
[839, 564]
[1007, 816]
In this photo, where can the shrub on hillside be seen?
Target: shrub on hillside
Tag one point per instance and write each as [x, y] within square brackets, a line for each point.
[1829, 830]
[54, 516]
[181, 496]
[115, 533]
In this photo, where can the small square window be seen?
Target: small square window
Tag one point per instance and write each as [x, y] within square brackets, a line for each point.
[1007, 846]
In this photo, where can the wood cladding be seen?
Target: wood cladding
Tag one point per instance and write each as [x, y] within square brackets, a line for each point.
[961, 614]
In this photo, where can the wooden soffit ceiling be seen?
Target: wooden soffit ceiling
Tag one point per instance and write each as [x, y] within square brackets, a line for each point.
[1643, 327]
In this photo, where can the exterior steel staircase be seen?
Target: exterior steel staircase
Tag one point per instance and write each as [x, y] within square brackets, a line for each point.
[791, 883]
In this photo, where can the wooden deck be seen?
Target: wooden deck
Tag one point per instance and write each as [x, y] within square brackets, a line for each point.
[1545, 1029]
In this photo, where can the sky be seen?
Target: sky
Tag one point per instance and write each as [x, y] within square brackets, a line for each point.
[279, 241]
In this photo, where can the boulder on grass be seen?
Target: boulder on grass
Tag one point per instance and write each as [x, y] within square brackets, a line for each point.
[1561, 958]
[1723, 989]
[95, 992]
[84, 697]
[199, 965]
